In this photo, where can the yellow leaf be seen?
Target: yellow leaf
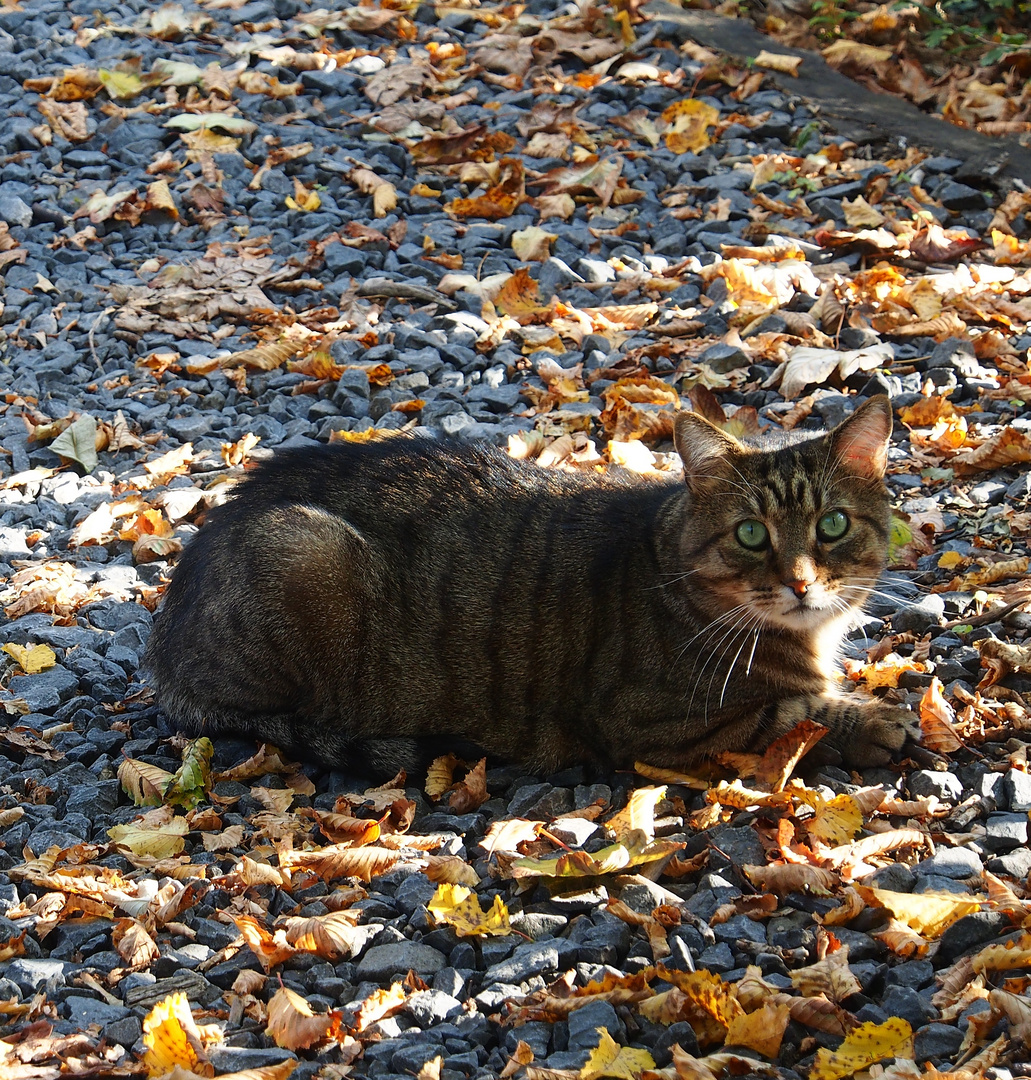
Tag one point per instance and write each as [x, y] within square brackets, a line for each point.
[687, 123]
[159, 197]
[171, 1038]
[120, 84]
[762, 1030]
[380, 1003]
[532, 244]
[639, 813]
[869, 1043]
[32, 659]
[143, 782]
[459, 907]
[859, 213]
[610, 1059]
[440, 775]
[700, 998]
[949, 560]
[929, 914]
[836, 821]
[632, 851]
[155, 843]
[303, 198]
[1006, 957]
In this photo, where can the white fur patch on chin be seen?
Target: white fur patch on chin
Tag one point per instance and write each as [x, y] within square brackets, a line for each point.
[804, 618]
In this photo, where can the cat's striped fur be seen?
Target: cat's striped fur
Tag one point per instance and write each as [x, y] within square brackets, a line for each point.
[367, 606]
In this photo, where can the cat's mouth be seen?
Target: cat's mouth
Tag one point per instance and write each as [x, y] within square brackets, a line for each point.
[806, 612]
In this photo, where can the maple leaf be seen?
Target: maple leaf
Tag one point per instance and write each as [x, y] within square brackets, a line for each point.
[608, 1058]
[458, 906]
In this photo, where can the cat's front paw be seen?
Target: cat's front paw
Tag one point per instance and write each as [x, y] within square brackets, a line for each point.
[875, 733]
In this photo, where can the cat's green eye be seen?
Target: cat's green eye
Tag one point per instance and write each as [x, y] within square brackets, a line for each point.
[832, 526]
[752, 535]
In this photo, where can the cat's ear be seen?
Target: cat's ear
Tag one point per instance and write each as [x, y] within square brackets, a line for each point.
[701, 445]
[860, 443]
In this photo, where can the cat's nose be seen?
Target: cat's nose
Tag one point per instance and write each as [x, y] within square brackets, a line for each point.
[800, 588]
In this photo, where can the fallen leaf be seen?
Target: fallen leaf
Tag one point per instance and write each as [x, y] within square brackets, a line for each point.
[78, 442]
[687, 123]
[610, 1059]
[792, 877]
[783, 754]
[532, 244]
[171, 1039]
[929, 914]
[459, 907]
[159, 842]
[32, 659]
[782, 62]
[292, 1024]
[867, 1044]
[762, 1030]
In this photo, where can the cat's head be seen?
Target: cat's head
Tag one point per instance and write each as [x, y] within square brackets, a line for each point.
[792, 531]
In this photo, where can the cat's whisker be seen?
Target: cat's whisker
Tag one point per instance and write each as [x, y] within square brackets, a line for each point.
[732, 635]
[751, 655]
[710, 657]
[674, 579]
[733, 663]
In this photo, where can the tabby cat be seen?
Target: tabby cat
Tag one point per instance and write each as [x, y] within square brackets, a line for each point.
[371, 606]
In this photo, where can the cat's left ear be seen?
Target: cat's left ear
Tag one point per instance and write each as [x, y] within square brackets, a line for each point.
[860, 443]
[701, 445]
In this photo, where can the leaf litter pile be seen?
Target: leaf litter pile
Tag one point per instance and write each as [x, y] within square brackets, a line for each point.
[232, 226]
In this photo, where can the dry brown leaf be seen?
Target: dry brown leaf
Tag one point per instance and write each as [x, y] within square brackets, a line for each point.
[792, 877]
[293, 1025]
[331, 936]
[830, 977]
[784, 753]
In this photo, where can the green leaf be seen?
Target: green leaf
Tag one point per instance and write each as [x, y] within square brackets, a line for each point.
[901, 535]
[234, 125]
[190, 781]
[120, 84]
[78, 442]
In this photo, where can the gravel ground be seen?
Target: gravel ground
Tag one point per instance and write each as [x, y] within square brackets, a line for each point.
[157, 278]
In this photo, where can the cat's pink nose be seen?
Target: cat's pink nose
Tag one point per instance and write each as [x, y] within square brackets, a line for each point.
[800, 588]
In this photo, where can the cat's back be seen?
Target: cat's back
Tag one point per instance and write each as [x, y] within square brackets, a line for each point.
[399, 477]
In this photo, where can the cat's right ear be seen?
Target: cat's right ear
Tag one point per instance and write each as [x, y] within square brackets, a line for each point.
[860, 442]
[701, 445]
